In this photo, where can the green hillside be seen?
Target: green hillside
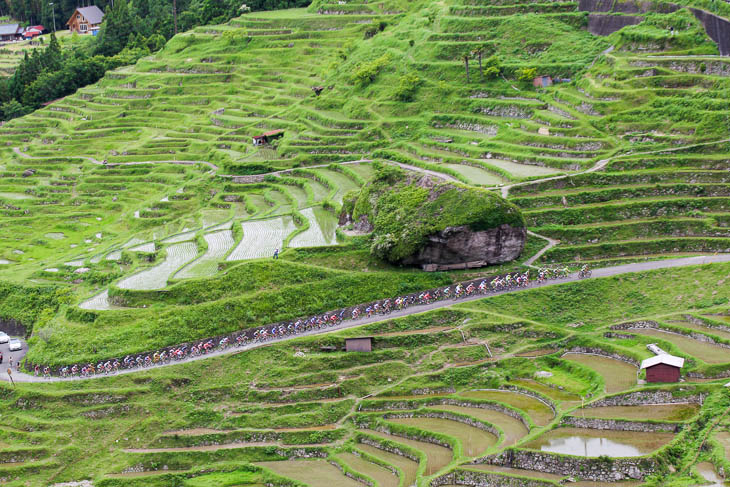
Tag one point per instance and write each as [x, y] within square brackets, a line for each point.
[137, 215]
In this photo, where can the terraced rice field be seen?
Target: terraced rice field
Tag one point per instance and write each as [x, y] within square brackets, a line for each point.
[406, 465]
[513, 429]
[657, 412]
[437, 457]
[712, 330]
[383, 476]
[219, 243]
[180, 237]
[157, 276]
[321, 231]
[262, 237]
[515, 471]
[539, 412]
[310, 472]
[596, 443]
[146, 248]
[474, 441]
[704, 351]
[99, 302]
[476, 175]
[617, 374]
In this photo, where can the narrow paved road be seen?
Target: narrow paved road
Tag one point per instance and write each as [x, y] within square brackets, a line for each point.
[605, 272]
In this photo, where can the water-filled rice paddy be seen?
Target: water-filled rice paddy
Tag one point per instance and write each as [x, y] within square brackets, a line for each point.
[383, 476]
[343, 183]
[595, 443]
[708, 472]
[99, 301]
[707, 352]
[262, 237]
[321, 231]
[180, 237]
[314, 473]
[437, 456]
[522, 170]
[474, 441]
[539, 412]
[219, 243]
[659, 412]
[157, 276]
[513, 428]
[617, 374]
[476, 175]
[719, 332]
[551, 392]
[406, 465]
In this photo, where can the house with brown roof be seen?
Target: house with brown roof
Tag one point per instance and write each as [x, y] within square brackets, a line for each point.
[86, 20]
[10, 32]
[267, 137]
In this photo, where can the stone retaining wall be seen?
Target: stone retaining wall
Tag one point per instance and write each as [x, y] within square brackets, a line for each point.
[453, 417]
[641, 398]
[649, 324]
[12, 327]
[595, 469]
[604, 353]
[389, 449]
[620, 425]
[399, 405]
[483, 479]
[347, 473]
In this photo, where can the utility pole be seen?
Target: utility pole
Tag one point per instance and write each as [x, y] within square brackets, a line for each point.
[54, 16]
[174, 14]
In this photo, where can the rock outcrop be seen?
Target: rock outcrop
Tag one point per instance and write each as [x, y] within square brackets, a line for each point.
[461, 245]
[417, 219]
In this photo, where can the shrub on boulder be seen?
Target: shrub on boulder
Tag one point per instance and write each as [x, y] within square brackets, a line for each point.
[420, 220]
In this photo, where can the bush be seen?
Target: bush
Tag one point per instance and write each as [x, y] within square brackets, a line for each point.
[407, 86]
[367, 72]
[526, 74]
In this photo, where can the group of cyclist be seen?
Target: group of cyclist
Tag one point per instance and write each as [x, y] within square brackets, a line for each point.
[272, 332]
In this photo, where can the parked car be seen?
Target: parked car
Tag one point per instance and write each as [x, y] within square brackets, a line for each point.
[4, 337]
[14, 345]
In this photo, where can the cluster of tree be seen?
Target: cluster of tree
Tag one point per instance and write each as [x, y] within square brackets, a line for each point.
[129, 31]
[51, 73]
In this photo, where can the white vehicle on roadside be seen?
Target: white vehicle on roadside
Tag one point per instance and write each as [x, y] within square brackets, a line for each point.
[14, 345]
[4, 338]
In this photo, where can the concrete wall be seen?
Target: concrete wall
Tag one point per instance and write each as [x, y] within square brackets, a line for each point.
[717, 28]
[12, 327]
[603, 25]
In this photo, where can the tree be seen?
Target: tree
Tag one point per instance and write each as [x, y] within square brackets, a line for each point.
[12, 109]
[526, 74]
[115, 30]
[465, 57]
[478, 51]
[493, 67]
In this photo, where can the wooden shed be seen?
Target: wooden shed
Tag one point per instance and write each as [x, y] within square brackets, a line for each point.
[267, 137]
[361, 344]
[663, 368]
[542, 81]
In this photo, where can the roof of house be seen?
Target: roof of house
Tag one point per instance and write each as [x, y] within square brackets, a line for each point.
[8, 29]
[36, 27]
[92, 14]
[663, 359]
[359, 338]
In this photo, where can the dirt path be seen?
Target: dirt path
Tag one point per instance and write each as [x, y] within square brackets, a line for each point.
[113, 164]
[551, 243]
[604, 272]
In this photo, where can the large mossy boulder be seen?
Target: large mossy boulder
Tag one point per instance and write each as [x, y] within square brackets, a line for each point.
[419, 220]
